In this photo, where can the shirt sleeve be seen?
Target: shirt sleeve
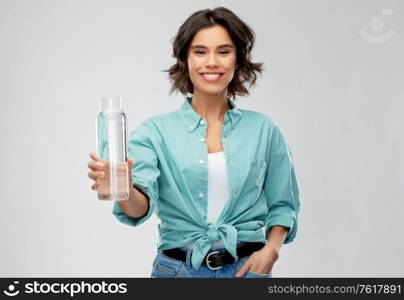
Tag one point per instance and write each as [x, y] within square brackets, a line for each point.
[281, 187]
[145, 173]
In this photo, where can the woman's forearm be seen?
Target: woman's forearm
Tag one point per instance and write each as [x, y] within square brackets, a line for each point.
[276, 237]
[137, 205]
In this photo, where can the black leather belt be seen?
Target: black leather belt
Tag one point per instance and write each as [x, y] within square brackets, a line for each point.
[217, 259]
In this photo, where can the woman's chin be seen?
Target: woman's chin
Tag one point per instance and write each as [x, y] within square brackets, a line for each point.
[212, 91]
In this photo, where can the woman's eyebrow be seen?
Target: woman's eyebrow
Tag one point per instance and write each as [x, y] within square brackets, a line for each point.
[204, 47]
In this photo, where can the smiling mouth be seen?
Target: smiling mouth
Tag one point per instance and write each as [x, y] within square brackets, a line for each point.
[210, 77]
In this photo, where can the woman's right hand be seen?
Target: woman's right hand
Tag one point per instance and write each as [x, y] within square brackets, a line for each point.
[100, 170]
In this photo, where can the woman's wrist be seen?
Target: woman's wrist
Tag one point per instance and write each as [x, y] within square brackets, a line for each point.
[271, 250]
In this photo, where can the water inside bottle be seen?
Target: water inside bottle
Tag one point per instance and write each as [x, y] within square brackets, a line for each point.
[115, 183]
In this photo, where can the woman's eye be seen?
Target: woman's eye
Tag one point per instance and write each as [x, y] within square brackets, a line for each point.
[202, 52]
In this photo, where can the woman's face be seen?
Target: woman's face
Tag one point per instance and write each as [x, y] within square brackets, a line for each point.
[211, 60]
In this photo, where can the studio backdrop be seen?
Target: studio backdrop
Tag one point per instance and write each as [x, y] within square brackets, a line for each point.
[332, 80]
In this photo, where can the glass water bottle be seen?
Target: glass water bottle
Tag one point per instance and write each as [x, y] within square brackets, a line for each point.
[112, 150]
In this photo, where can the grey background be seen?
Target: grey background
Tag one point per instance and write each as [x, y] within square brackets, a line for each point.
[337, 96]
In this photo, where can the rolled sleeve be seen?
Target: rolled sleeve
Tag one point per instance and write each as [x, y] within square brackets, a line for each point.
[281, 188]
[145, 173]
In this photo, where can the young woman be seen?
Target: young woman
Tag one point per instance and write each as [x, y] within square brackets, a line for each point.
[221, 179]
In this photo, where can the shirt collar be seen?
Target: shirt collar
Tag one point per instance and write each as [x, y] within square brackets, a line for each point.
[192, 119]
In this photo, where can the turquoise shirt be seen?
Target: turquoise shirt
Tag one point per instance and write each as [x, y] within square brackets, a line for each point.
[171, 155]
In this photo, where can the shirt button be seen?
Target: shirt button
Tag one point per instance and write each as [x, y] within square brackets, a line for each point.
[201, 161]
[202, 139]
[202, 122]
[191, 127]
[200, 195]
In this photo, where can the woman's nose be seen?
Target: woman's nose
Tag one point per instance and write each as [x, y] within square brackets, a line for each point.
[211, 61]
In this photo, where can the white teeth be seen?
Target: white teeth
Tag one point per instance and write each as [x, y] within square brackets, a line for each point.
[211, 76]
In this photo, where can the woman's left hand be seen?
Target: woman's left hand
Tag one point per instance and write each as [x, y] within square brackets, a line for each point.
[260, 261]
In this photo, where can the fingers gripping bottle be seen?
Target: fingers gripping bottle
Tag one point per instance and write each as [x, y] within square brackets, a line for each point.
[112, 150]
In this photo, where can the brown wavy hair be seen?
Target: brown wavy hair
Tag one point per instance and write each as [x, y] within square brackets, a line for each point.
[242, 36]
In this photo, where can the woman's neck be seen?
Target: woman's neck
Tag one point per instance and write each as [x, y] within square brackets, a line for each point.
[210, 107]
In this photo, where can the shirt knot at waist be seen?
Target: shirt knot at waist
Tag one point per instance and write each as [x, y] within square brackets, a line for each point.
[226, 232]
[213, 232]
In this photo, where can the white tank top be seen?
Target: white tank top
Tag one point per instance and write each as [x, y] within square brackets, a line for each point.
[218, 190]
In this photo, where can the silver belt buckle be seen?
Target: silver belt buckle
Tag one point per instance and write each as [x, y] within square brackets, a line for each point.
[208, 261]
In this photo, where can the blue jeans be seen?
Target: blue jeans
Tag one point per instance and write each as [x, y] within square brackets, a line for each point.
[167, 267]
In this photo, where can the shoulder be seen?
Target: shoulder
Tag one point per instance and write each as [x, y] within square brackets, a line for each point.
[153, 126]
[160, 121]
[267, 125]
[262, 118]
